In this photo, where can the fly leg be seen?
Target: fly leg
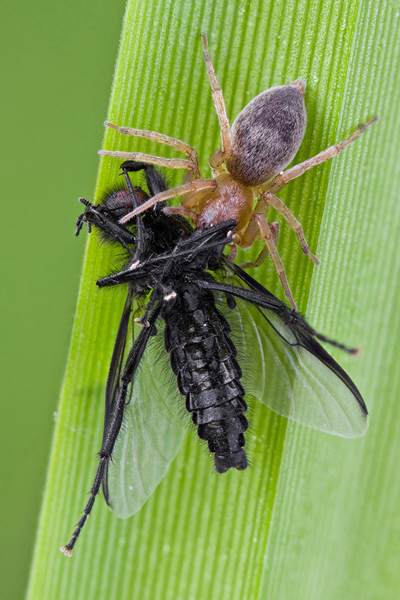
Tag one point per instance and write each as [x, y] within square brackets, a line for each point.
[113, 425]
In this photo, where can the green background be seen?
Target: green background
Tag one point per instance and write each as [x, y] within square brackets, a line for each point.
[316, 516]
[57, 65]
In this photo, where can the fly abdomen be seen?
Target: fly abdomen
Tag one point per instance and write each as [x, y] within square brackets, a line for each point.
[203, 357]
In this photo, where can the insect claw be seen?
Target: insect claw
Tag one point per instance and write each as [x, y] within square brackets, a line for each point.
[66, 551]
[315, 260]
[355, 351]
[142, 323]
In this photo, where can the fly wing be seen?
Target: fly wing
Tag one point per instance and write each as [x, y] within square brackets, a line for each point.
[150, 437]
[296, 382]
[117, 359]
[290, 372]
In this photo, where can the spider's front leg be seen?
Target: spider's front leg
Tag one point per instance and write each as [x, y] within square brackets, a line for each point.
[191, 163]
[186, 188]
[183, 212]
[219, 156]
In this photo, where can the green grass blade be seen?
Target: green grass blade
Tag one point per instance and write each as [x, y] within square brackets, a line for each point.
[295, 525]
[338, 533]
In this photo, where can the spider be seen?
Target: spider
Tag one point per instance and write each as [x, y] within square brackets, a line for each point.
[247, 170]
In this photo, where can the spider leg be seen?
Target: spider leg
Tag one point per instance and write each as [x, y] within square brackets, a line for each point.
[264, 252]
[218, 98]
[251, 233]
[172, 163]
[232, 249]
[191, 186]
[289, 217]
[267, 235]
[283, 178]
[257, 261]
[192, 164]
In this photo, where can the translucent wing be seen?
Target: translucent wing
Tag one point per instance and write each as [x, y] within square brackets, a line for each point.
[293, 381]
[289, 371]
[152, 429]
[117, 359]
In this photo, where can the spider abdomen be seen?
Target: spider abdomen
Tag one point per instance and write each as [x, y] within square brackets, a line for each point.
[267, 133]
[203, 357]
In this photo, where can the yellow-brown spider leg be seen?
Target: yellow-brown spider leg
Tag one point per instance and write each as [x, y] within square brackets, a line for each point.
[267, 235]
[192, 164]
[219, 156]
[179, 210]
[289, 217]
[186, 188]
[172, 163]
[232, 252]
[257, 261]
[252, 233]
[282, 179]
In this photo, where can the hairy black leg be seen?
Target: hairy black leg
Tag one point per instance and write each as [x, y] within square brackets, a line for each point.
[140, 241]
[155, 179]
[303, 332]
[114, 423]
[289, 317]
[97, 215]
[82, 218]
[288, 314]
[144, 320]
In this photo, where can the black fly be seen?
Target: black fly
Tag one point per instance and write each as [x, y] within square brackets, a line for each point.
[177, 271]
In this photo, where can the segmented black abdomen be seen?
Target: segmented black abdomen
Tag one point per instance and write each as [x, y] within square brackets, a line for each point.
[203, 359]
